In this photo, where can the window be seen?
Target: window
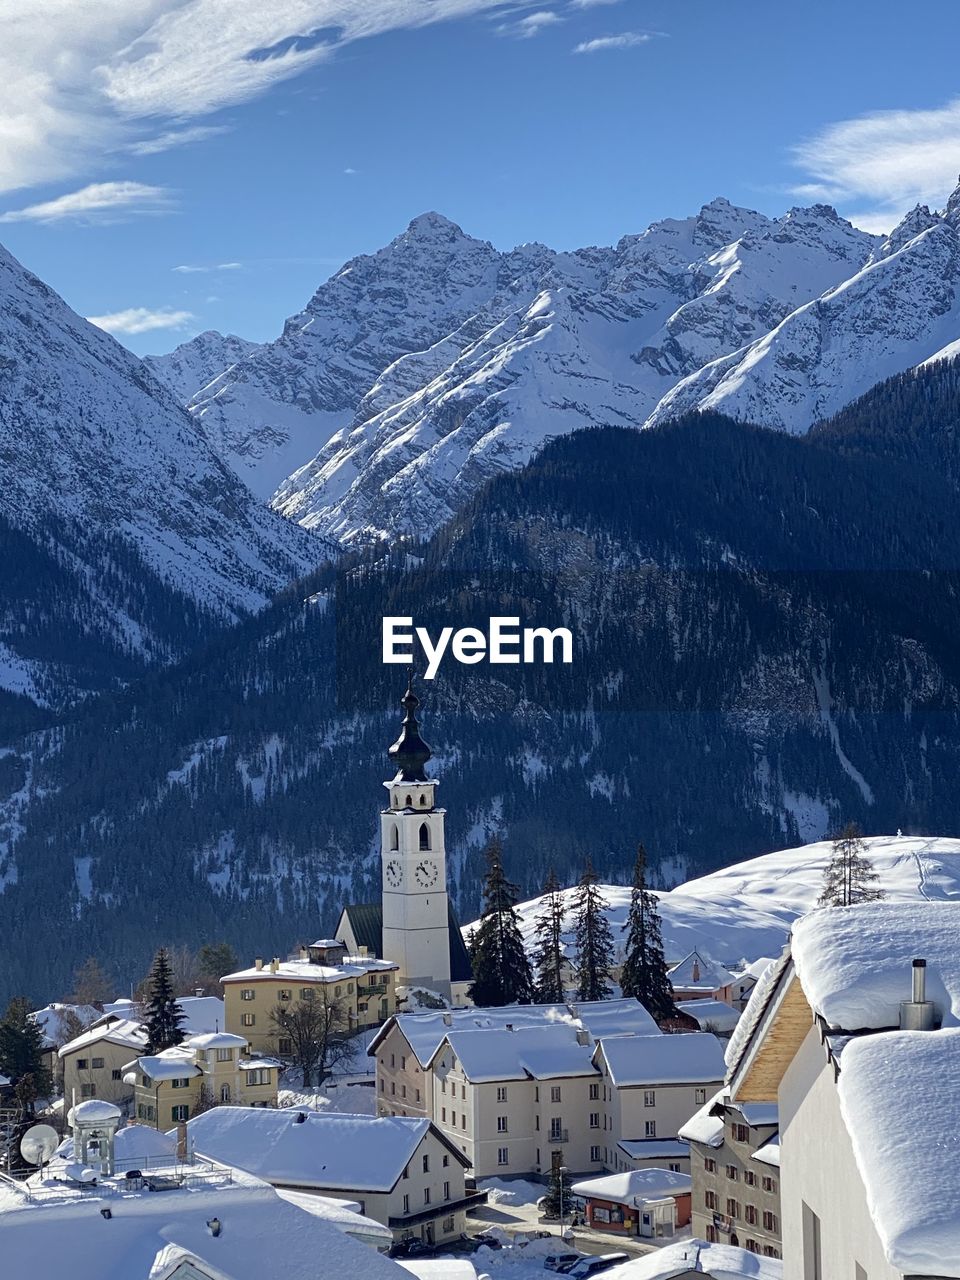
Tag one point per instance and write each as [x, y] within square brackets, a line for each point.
[424, 836]
[426, 1195]
[393, 1059]
[463, 1120]
[403, 1090]
[710, 1165]
[649, 1097]
[447, 1225]
[116, 1074]
[383, 1085]
[812, 1260]
[403, 1063]
[406, 1204]
[732, 1172]
[556, 1129]
[446, 1162]
[284, 1045]
[349, 988]
[536, 1125]
[443, 1086]
[180, 1113]
[82, 1064]
[770, 1221]
[406, 1171]
[501, 1093]
[710, 1199]
[594, 1153]
[88, 1090]
[443, 1114]
[733, 1209]
[259, 1075]
[338, 992]
[700, 1095]
[555, 1093]
[418, 1095]
[594, 1092]
[224, 1055]
[286, 994]
[750, 1214]
[394, 837]
[741, 1133]
[453, 1118]
[225, 1092]
[501, 1124]
[674, 1168]
[749, 1177]
[594, 1119]
[393, 1087]
[248, 993]
[769, 1184]
[770, 1252]
[650, 1129]
[180, 1084]
[426, 1164]
[97, 1064]
[248, 1019]
[463, 1091]
[503, 1155]
[446, 1191]
[307, 993]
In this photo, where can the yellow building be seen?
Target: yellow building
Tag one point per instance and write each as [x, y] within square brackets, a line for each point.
[363, 986]
[206, 1070]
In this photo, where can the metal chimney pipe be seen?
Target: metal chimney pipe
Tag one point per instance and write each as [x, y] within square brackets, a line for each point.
[919, 981]
[918, 1013]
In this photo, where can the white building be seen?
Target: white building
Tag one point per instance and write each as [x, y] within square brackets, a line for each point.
[414, 924]
[857, 1041]
[402, 1172]
[697, 978]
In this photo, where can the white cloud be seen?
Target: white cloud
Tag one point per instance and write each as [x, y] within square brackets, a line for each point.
[189, 269]
[883, 163]
[98, 201]
[349, 172]
[531, 25]
[141, 320]
[176, 138]
[591, 4]
[76, 87]
[626, 40]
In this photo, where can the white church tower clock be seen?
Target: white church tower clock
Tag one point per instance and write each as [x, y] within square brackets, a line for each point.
[416, 913]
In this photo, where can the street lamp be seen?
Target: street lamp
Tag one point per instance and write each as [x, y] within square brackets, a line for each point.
[560, 1172]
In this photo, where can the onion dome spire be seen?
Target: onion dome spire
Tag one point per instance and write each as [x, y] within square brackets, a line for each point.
[410, 753]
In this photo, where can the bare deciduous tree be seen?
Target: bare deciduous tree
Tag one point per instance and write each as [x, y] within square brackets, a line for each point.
[312, 1035]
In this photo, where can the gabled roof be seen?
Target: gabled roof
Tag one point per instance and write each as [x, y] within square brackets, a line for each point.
[366, 923]
[694, 973]
[689, 1058]
[129, 1035]
[425, 1029]
[526, 1053]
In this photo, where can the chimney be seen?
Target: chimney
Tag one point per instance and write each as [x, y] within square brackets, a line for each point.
[258, 963]
[364, 951]
[304, 953]
[198, 991]
[447, 1020]
[583, 1036]
[917, 1013]
[275, 964]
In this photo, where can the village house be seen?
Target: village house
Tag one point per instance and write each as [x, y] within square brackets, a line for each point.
[404, 1173]
[361, 985]
[203, 1071]
[853, 1034]
[650, 1203]
[695, 978]
[734, 1162]
[650, 1085]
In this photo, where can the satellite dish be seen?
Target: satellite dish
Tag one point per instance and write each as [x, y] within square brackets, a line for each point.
[39, 1143]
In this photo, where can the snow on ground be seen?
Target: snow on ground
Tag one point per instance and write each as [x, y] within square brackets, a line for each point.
[747, 910]
[335, 1098]
[514, 1191]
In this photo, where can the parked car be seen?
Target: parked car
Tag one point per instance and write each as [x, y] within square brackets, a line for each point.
[562, 1262]
[593, 1266]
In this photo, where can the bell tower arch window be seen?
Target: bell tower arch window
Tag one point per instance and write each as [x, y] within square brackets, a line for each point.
[424, 836]
[394, 837]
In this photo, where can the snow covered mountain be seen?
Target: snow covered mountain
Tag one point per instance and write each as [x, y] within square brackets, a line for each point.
[746, 911]
[900, 310]
[189, 367]
[417, 372]
[110, 480]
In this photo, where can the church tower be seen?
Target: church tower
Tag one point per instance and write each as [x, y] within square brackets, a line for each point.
[416, 913]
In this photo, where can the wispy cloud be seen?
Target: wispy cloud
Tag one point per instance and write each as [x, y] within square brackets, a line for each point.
[142, 320]
[176, 138]
[530, 25]
[591, 4]
[350, 172]
[74, 91]
[199, 269]
[99, 201]
[626, 40]
[883, 163]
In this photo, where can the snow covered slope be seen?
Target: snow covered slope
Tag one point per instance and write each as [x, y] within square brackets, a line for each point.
[746, 911]
[99, 457]
[419, 371]
[900, 310]
[188, 368]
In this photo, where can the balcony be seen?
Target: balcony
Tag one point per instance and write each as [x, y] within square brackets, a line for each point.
[372, 989]
[441, 1209]
[559, 1135]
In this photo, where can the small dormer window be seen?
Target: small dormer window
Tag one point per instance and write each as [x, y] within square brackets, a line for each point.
[424, 836]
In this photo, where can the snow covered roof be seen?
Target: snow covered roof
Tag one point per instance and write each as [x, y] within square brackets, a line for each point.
[4, 1081]
[425, 1031]
[93, 1111]
[615, 1017]
[171, 1064]
[339, 1214]
[694, 1058]
[769, 1153]
[711, 1013]
[721, 1261]
[261, 1235]
[694, 973]
[901, 1107]
[752, 1015]
[534, 1052]
[307, 971]
[50, 1018]
[334, 1152]
[201, 1014]
[703, 1126]
[854, 962]
[635, 1184]
[123, 1032]
[216, 1040]
[655, 1148]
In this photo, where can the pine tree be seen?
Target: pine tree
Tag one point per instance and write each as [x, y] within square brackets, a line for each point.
[163, 1017]
[501, 970]
[21, 1054]
[548, 954]
[644, 973]
[849, 876]
[593, 938]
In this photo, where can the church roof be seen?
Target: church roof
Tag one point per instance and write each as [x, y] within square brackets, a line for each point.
[366, 921]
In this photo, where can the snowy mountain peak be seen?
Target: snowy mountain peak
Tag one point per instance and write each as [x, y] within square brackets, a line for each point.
[434, 226]
[919, 219]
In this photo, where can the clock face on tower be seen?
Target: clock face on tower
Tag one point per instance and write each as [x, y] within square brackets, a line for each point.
[426, 873]
[394, 873]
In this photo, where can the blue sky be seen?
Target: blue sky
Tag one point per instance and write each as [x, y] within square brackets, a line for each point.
[166, 137]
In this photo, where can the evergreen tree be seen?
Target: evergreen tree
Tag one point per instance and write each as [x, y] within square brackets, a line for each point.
[593, 938]
[548, 956]
[91, 985]
[644, 973]
[163, 1017]
[501, 970]
[849, 876]
[21, 1054]
[214, 959]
